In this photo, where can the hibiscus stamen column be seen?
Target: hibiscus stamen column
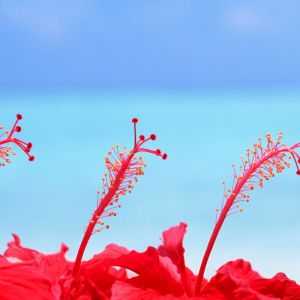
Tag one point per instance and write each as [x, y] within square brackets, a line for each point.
[258, 166]
[7, 138]
[123, 169]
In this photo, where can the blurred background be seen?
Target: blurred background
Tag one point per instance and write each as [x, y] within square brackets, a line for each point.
[208, 77]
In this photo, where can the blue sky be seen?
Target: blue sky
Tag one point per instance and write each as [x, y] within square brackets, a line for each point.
[156, 43]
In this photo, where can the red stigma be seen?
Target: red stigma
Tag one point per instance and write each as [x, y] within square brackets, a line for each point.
[153, 137]
[165, 156]
[31, 158]
[8, 138]
[135, 120]
[143, 140]
[298, 172]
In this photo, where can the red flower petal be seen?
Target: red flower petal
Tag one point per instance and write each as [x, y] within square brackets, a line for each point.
[280, 286]
[125, 291]
[111, 251]
[147, 265]
[15, 250]
[230, 277]
[173, 245]
[240, 271]
[173, 248]
[236, 280]
[3, 261]
[95, 277]
[82, 287]
[51, 266]
[23, 281]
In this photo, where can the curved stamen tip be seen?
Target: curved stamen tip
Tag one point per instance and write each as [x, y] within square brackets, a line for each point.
[31, 158]
[18, 129]
[19, 116]
[142, 137]
[164, 156]
[298, 172]
[134, 120]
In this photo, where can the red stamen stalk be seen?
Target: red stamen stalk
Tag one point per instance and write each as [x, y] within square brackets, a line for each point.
[123, 170]
[258, 167]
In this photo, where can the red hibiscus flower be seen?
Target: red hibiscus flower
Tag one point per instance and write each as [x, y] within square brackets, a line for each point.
[45, 268]
[162, 274]
[236, 280]
[159, 273]
[23, 281]
[50, 276]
